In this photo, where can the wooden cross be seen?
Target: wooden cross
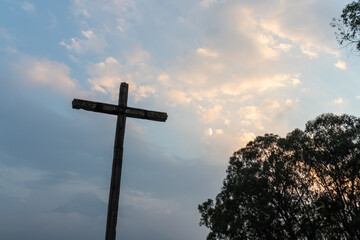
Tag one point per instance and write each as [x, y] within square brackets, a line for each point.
[121, 111]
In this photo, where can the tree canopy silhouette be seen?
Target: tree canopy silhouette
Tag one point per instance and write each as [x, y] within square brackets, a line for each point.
[348, 26]
[303, 186]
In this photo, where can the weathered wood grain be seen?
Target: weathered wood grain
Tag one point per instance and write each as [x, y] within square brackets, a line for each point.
[118, 110]
[114, 194]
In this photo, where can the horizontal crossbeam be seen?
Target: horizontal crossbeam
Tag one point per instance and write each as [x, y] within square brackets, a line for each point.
[118, 110]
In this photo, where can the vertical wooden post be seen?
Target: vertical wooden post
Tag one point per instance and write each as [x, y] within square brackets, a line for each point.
[121, 111]
[116, 167]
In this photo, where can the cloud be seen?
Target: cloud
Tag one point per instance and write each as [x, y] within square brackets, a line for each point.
[56, 75]
[341, 65]
[210, 132]
[259, 85]
[177, 97]
[137, 56]
[285, 47]
[219, 131]
[89, 43]
[260, 117]
[210, 114]
[120, 24]
[253, 114]
[206, 52]
[208, 3]
[27, 6]
[7, 41]
[288, 102]
[53, 21]
[4, 35]
[210, 94]
[73, 185]
[92, 9]
[146, 202]
[207, 76]
[239, 31]
[287, 22]
[144, 92]
[338, 101]
[54, 226]
[164, 79]
[106, 76]
[225, 71]
[237, 65]
[22, 174]
[246, 136]
[16, 181]
[271, 31]
[195, 79]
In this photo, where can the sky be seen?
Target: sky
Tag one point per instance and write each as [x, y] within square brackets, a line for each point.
[224, 71]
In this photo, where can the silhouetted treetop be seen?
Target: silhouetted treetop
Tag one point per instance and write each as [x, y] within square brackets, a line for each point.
[303, 186]
[348, 26]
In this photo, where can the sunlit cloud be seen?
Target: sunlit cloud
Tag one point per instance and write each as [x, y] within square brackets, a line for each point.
[310, 50]
[287, 25]
[212, 114]
[338, 101]
[253, 115]
[177, 97]
[144, 92]
[89, 43]
[288, 102]
[137, 56]
[210, 132]
[259, 117]
[196, 79]
[267, 45]
[106, 76]
[245, 136]
[164, 79]
[260, 85]
[284, 47]
[219, 131]
[206, 52]
[209, 94]
[341, 65]
[46, 72]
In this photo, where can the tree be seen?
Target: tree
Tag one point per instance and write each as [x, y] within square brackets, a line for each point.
[303, 186]
[348, 26]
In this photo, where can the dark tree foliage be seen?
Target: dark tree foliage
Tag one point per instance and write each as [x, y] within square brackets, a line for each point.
[303, 186]
[348, 26]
